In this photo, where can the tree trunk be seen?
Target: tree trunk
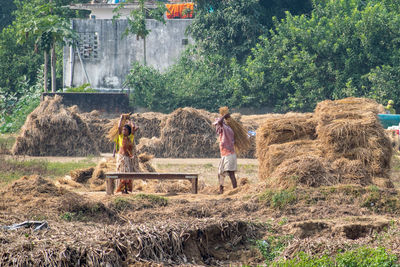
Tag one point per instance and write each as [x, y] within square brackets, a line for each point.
[53, 67]
[144, 51]
[45, 71]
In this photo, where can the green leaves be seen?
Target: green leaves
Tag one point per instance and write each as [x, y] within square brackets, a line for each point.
[327, 55]
[39, 21]
[231, 29]
[138, 16]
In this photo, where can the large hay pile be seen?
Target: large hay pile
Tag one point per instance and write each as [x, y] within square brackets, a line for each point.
[187, 133]
[150, 124]
[53, 130]
[98, 128]
[342, 142]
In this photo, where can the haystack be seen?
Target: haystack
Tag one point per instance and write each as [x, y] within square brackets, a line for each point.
[342, 142]
[150, 124]
[53, 130]
[99, 127]
[351, 107]
[152, 146]
[187, 133]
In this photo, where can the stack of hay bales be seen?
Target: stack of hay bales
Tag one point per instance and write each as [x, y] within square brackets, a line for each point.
[53, 130]
[187, 133]
[342, 142]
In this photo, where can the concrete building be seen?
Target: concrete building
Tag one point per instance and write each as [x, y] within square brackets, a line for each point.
[104, 56]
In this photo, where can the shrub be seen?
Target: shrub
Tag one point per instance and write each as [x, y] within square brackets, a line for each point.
[361, 257]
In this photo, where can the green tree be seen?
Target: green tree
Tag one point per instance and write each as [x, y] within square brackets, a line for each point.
[19, 61]
[39, 20]
[148, 87]
[228, 28]
[137, 20]
[328, 54]
[6, 9]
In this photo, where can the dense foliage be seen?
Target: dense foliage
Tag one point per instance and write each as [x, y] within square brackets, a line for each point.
[343, 49]
[6, 9]
[360, 257]
[340, 49]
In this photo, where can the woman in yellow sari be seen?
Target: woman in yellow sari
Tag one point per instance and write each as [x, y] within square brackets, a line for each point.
[126, 156]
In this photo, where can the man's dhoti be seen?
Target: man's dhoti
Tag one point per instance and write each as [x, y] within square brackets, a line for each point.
[227, 163]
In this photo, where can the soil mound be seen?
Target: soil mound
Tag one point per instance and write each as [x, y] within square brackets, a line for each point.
[341, 142]
[187, 133]
[53, 130]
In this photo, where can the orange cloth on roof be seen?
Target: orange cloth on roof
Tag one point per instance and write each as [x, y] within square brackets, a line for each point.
[177, 10]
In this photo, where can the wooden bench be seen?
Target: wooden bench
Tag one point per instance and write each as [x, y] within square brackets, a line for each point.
[112, 176]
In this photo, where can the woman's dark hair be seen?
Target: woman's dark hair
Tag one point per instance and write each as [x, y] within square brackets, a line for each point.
[128, 128]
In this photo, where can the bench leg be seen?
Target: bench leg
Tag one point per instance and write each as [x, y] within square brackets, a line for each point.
[194, 185]
[110, 186]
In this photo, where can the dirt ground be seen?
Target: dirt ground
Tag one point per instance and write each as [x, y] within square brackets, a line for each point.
[186, 229]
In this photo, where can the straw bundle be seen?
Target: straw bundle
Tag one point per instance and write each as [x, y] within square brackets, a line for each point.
[350, 107]
[145, 157]
[113, 132]
[308, 170]
[99, 174]
[358, 137]
[81, 175]
[242, 141]
[53, 130]
[271, 157]
[351, 172]
[286, 128]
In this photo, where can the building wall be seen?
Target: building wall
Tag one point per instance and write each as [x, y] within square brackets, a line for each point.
[107, 55]
[107, 13]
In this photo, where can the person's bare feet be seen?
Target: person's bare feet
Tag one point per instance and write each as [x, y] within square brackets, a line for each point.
[221, 189]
